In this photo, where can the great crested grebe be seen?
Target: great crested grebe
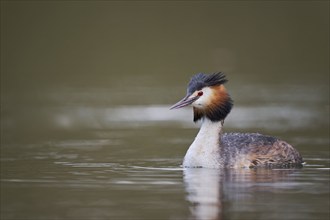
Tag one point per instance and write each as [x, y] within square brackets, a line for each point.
[212, 149]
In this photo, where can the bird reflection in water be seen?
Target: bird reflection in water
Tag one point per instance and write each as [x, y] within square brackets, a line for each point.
[213, 191]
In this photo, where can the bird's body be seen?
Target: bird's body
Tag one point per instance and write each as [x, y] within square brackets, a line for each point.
[253, 149]
[213, 149]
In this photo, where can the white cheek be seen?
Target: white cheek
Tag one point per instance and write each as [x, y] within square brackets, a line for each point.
[199, 103]
[204, 99]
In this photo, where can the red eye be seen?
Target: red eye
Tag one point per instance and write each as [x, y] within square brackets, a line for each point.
[200, 93]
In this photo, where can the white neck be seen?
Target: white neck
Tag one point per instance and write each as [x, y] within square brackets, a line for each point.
[205, 150]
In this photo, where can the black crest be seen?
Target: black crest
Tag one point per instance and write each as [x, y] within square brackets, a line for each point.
[202, 80]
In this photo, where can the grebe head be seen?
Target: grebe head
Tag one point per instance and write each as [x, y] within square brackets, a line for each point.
[208, 97]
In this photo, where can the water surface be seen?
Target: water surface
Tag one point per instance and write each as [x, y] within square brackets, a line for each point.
[79, 158]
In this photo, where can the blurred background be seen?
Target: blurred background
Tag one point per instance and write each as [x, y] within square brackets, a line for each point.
[90, 82]
[125, 43]
[144, 53]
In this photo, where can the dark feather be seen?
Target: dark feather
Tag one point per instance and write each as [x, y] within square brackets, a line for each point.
[219, 112]
[198, 114]
[202, 80]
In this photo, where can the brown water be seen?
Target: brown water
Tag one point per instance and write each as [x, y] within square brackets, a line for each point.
[86, 131]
